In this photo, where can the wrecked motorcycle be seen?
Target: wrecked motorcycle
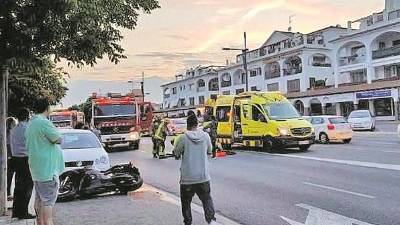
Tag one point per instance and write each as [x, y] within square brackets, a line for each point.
[87, 182]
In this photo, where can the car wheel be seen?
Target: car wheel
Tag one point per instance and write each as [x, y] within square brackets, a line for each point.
[323, 138]
[304, 148]
[347, 141]
[134, 145]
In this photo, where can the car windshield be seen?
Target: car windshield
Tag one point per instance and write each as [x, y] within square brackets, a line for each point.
[359, 114]
[79, 141]
[113, 110]
[337, 120]
[281, 111]
[57, 118]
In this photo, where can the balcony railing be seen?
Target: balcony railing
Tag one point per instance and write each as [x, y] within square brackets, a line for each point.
[292, 71]
[321, 64]
[226, 83]
[350, 60]
[387, 52]
[272, 74]
[201, 89]
[167, 95]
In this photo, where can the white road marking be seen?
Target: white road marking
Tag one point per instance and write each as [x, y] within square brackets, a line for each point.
[176, 201]
[318, 216]
[391, 151]
[339, 190]
[347, 162]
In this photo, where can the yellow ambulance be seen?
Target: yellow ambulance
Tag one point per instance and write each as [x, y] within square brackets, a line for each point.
[261, 119]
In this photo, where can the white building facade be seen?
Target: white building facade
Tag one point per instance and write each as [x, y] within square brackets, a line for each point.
[330, 71]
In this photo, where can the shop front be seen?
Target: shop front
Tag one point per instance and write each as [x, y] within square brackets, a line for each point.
[381, 103]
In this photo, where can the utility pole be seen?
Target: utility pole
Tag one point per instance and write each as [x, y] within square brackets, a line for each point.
[3, 145]
[142, 86]
[245, 61]
[244, 56]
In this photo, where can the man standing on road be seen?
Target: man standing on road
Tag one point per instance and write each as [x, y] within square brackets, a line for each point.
[45, 161]
[161, 136]
[154, 126]
[211, 129]
[23, 179]
[10, 124]
[194, 146]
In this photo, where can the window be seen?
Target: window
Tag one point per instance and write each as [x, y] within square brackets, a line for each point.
[255, 72]
[213, 84]
[383, 107]
[174, 91]
[79, 141]
[191, 86]
[359, 76]
[238, 91]
[223, 113]
[182, 102]
[254, 88]
[191, 100]
[293, 85]
[201, 100]
[382, 45]
[396, 43]
[256, 114]
[317, 120]
[337, 120]
[273, 87]
[226, 80]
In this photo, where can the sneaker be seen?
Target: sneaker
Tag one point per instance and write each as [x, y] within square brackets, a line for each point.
[155, 155]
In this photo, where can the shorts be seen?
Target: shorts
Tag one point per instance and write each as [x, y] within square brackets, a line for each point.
[47, 191]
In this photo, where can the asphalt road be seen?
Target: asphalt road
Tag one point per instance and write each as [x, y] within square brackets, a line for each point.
[333, 184]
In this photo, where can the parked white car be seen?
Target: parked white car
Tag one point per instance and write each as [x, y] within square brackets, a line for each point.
[331, 128]
[82, 148]
[362, 120]
[398, 130]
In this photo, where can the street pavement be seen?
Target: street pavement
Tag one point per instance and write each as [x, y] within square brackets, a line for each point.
[333, 184]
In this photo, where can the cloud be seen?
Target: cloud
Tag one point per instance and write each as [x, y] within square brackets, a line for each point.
[177, 37]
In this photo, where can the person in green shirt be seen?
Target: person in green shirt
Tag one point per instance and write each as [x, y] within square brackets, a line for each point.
[46, 161]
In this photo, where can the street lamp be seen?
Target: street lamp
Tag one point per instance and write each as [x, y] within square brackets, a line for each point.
[244, 55]
[141, 86]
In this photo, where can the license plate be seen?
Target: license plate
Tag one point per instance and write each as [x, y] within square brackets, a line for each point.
[304, 142]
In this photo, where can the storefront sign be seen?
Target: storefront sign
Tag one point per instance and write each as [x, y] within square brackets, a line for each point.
[374, 94]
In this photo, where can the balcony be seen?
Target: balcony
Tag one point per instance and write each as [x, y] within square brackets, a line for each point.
[167, 95]
[292, 71]
[321, 64]
[272, 74]
[351, 60]
[387, 52]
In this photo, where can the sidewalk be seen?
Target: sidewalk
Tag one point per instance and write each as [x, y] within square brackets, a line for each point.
[147, 206]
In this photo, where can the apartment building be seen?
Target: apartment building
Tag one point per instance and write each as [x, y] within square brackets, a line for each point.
[329, 71]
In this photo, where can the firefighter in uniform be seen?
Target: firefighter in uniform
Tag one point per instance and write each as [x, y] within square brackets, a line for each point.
[160, 136]
[156, 123]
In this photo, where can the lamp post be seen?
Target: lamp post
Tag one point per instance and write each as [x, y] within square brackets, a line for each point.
[141, 86]
[244, 55]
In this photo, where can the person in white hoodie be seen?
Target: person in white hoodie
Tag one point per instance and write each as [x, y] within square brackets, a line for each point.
[193, 147]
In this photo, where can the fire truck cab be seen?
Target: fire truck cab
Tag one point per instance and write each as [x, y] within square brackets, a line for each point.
[117, 117]
[65, 118]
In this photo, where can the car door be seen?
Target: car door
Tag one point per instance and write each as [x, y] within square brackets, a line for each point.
[319, 125]
[253, 123]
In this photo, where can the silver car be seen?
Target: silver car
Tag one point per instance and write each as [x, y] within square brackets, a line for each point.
[362, 120]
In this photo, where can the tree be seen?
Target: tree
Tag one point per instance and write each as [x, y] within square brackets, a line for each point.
[45, 81]
[79, 31]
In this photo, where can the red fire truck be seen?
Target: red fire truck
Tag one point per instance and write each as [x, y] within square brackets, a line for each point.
[120, 119]
[65, 118]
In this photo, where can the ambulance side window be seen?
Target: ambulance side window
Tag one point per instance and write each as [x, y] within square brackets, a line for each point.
[257, 114]
[223, 113]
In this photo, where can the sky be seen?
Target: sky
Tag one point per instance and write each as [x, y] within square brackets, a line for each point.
[186, 33]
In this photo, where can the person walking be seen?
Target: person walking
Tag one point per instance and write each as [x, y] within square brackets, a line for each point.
[10, 124]
[194, 147]
[23, 180]
[46, 161]
[154, 127]
[211, 129]
[160, 137]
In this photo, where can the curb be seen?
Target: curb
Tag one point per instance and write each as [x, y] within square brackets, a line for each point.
[173, 199]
